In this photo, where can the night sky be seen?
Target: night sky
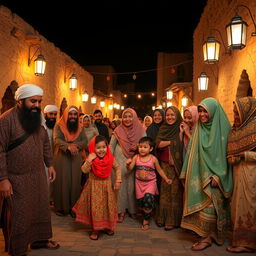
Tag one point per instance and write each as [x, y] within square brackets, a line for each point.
[125, 34]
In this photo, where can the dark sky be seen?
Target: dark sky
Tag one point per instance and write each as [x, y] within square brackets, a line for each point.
[125, 34]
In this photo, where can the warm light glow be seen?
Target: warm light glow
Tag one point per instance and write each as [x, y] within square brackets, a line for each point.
[110, 95]
[153, 108]
[134, 77]
[40, 64]
[169, 94]
[125, 95]
[160, 107]
[169, 104]
[211, 50]
[73, 82]
[85, 97]
[152, 94]
[236, 33]
[117, 106]
[110, 106]
[139, 96]
[93, 99]
[203, 82]
[108, 78]
[122, 107]
[102, 104]
[184, 101]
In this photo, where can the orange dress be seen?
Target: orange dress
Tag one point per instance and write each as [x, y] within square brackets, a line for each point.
[97, 205]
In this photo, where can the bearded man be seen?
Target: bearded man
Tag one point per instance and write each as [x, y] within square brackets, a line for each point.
[69, 141]
[24, 151]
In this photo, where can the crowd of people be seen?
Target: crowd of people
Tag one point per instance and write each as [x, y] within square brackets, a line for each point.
[189, 170]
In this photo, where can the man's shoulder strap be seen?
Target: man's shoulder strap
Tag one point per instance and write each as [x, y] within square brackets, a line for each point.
[17, 142]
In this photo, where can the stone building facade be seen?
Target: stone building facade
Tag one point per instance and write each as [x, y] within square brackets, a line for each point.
[239, 65]
[16, 37]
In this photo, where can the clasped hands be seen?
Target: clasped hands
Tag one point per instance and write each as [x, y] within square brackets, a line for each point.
[73, 148]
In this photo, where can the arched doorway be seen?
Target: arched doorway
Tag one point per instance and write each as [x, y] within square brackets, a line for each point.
[244, 86]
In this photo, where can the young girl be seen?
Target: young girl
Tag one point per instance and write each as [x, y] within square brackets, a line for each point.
[97, 205]
[146, 186]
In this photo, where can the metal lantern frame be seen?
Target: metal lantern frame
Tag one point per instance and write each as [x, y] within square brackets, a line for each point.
[211, 50]
[203, 81]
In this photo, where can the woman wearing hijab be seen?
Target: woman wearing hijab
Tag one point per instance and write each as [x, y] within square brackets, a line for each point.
[190, 116]
[89, 128]
[123, 145]
[169, 150]
[158, 119]
[147, 121]
[241, 153]
[208, 177]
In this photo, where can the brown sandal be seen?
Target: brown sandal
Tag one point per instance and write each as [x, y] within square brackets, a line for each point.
[94, 235]
[196, 246]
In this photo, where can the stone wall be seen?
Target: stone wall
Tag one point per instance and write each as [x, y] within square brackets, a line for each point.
[16, 36]
[224, 76]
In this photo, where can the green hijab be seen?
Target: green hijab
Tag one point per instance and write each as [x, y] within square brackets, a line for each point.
[206, 158]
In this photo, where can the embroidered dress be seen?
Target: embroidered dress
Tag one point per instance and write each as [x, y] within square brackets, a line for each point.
[145, 177]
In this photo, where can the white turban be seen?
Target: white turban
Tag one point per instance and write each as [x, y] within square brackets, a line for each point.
[28, 90]
[72, 109]
[50, 108]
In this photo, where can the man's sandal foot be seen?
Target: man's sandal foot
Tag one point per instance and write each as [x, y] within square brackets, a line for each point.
[239, 249]
[200, 245]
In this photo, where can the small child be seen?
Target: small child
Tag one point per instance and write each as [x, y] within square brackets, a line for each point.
[97, 205]
[146, 186]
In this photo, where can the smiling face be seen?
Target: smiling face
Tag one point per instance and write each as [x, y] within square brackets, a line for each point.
[157, 117]
[170, 116]
[101, 149]
[188, 118]
[147, 122]
[127, 119]
[203, 114]
[144, 148]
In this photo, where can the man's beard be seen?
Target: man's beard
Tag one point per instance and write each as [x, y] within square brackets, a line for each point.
[50, 122]
[30, 121]
[72, 126]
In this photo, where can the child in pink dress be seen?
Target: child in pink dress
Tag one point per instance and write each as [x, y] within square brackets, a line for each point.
[97, 205]
[146, 187]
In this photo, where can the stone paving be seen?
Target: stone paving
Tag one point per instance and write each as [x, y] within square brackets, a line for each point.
[129, 239]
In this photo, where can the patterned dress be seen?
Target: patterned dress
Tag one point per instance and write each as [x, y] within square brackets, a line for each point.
[97, 205]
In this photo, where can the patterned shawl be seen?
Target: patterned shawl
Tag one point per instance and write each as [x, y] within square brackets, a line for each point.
[170, 132]
[128, 137]
[206, 158]
[69, 137]
[194, 113]
[243, 138]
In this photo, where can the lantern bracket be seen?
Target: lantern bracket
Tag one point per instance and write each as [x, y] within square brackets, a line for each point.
[236, 11]
[227, 51]
[36, 48]
[68, 71]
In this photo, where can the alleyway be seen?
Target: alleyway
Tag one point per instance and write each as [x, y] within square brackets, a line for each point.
[128, 240]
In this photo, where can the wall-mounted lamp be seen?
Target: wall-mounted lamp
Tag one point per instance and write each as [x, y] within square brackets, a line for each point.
[93, 99]
[169, 94]
[72, 77]
[85, 97]
[73, 82]
[40, 62]
[184, 101]
[203, 80]
[102, 103]
[211, 48]
[237, 29]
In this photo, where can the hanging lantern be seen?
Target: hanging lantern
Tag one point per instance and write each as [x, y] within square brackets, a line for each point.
[211, 49]
[168, 104]
[40, 64]
[139, 96]
[93, 99]
[169, 94]
[184, 101]
[85, 97]
[73, 82]
[152, 94]
[102, 104]
[110, 106]
[125, 95]
[203, 82]
[236, 33]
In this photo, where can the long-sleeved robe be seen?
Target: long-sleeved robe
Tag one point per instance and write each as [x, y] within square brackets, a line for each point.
[23, 166]
[67, 186]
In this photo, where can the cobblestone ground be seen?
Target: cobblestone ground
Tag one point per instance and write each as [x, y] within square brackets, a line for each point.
[129, 239]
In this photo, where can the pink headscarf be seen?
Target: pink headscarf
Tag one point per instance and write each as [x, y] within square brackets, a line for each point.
[194, 112]
[128, 137]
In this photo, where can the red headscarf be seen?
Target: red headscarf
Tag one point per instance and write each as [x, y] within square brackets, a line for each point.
[69, 137]
[101, 167]
[129, 137]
